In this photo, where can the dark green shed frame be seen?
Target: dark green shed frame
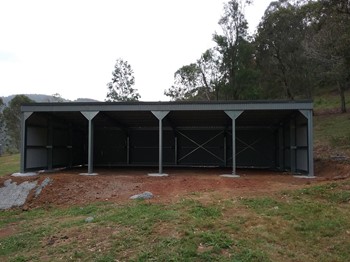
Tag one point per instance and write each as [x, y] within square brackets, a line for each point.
[249, 134]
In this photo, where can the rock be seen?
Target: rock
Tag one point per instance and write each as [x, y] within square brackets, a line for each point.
[45, 183]
[144, 195]
[7, 182]
[89, 219]
[13, 195]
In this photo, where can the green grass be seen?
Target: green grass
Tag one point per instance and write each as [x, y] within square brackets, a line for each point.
[309, 224]
[333, 131]
[330, 102]
[9, 164]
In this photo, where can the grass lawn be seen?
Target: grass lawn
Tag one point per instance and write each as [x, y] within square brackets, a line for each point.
[9, 164]
[311, 224]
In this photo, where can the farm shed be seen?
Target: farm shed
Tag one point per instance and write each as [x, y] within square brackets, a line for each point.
[274, 135]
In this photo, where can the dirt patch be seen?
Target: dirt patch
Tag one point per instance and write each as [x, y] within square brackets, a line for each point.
[9, 230]
[117, 185]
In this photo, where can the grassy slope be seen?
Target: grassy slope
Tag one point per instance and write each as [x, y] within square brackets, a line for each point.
[330, 102]
[305, 225]
[9, 164]
[331, 130]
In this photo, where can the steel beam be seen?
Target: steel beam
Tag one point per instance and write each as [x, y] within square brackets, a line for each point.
[160, 115]
[201, 146]
[89, 115]
[233, 115]
[310, 141]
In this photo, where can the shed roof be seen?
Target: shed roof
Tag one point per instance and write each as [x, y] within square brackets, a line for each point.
[170, 106]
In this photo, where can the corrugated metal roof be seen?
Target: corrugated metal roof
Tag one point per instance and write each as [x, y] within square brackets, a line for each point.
[170, 106]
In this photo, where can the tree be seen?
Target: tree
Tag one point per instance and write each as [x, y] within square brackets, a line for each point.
[121, 86]
[234, 33]
[12, 118]
[328, 44]
[280, 54]
[57, 97]
[197, 81]
[224, 71]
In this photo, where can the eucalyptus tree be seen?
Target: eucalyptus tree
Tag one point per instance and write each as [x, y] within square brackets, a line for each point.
[228, 43]
[280, 53]
[197, 81]
[327, 44]
[224, 71]
[121, 87]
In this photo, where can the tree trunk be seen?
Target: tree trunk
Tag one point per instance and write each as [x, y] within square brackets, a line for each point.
[342, 98]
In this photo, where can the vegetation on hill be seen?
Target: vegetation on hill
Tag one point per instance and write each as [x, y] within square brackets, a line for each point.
[300, 49]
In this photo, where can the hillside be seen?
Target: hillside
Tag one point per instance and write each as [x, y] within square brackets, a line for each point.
[41, 98]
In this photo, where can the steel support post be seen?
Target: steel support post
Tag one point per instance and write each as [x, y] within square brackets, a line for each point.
[233, 115]
[70, 146]
[91, 147]
[89, 116]
[293, 147]
[24, 117]
[160, 146]
[175, 149]
[49, 145]
[225, 150]
[128, 150]
[280, 148]
[160, 115]
[310, 140]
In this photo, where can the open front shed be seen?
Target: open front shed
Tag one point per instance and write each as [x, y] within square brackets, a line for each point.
[275, 135]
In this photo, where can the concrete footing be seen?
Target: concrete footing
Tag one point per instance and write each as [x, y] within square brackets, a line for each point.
[88, 174]
[230, 176]
[157, 174]
[24, 174]
[309, 177]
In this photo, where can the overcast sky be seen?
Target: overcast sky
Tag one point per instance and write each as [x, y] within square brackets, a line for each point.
[70, 46]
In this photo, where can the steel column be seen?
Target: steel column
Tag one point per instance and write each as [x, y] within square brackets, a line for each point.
[128, 150]
[160, 115]
[175, 149]
[233, 115]
[70, 146]
[49, 145]
[24, 117]
[89, 116]
[292, 146]
[225, 150]
[280, 148]
[310, 141]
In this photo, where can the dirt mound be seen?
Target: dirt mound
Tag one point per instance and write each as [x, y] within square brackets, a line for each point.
[118, 184]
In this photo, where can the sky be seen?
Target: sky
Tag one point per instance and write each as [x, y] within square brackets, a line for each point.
[70, 47]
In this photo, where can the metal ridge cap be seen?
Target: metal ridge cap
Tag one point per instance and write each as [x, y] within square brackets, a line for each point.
[216, 102]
